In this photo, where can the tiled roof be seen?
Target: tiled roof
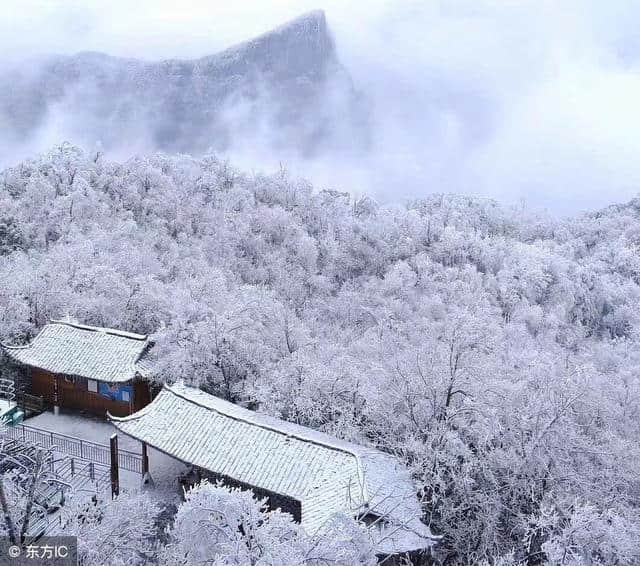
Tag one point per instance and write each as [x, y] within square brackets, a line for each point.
[86, 351]
[326, 475]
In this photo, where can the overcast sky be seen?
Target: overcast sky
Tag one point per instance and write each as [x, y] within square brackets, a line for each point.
[518, 100]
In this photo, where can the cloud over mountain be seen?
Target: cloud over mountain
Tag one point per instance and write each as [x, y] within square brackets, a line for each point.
[286, 88]
[529, 101]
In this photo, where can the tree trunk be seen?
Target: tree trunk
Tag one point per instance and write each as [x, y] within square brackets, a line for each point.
[30, 497]
[7, 514]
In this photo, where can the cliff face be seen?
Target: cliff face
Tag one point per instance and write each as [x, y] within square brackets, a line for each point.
[302, 47]
[288, 82]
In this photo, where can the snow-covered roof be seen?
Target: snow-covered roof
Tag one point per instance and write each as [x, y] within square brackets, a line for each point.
[97, 353]
[325, 474]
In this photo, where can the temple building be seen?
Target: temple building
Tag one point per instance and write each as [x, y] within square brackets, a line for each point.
[309, 474]
[97, 370]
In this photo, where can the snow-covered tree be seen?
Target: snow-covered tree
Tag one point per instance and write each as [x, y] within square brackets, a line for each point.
[120, 532]
[493, 350]
[231, 526]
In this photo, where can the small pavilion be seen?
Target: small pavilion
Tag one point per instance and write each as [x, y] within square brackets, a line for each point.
[86, 368]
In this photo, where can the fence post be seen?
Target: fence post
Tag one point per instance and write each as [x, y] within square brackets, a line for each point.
[145, 459]
[115, 480]
[81, 443]
[91, 474]
[73, 467]
[56, 405]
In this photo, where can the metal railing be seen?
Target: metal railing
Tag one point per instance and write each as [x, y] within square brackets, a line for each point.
[7, 389]
[77, 447]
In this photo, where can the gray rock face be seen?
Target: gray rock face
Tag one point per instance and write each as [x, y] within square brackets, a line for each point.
[286, 86]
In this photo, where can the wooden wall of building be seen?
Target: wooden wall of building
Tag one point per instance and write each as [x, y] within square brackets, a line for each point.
[141, 395]
[73, 393]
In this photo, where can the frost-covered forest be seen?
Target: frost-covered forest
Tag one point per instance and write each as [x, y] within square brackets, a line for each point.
[494, 350]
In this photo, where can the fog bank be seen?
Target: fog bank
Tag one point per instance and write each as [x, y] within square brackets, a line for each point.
[518, 101]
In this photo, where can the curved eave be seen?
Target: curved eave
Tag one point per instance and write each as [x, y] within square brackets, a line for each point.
[11, 352]
[132, 417]
[125, 379]
[10, 347]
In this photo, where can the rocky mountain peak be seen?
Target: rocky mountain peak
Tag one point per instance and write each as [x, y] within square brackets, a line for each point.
[284, 80]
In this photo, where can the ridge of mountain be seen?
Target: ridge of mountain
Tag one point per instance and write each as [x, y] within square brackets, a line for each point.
[283, 82]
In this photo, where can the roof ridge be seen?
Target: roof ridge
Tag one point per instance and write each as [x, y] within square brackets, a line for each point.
[346, 450]
[111, 331]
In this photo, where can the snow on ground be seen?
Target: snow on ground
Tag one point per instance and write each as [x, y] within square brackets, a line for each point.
[89, 428]
[164, 470]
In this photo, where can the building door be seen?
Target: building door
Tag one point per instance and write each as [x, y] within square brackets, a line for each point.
[42, 384]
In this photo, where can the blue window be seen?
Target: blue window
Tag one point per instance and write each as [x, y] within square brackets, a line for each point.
[115, 391]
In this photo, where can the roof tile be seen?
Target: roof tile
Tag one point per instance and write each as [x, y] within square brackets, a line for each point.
[86, 351]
